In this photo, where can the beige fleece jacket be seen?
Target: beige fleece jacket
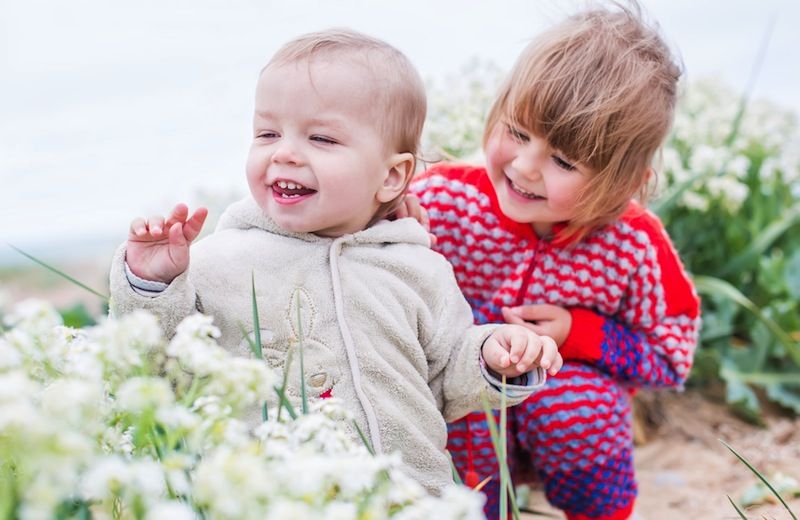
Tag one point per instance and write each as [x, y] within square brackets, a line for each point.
[385, 325]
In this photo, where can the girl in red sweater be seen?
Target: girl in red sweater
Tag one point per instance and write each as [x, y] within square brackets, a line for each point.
[549, 235]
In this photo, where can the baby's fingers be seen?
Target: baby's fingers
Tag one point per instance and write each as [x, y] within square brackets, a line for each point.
[179, 214]
[495, 355]
[550, 359]
[138, 228]
[194, 225]
[156, 225]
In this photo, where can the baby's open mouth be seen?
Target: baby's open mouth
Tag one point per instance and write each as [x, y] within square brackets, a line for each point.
[290, 190]
[526, 194]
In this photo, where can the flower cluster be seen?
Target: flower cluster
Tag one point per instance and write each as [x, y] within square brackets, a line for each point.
[718, 162]
[116, 422]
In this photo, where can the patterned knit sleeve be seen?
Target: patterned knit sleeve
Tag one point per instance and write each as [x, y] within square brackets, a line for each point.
[650, 340]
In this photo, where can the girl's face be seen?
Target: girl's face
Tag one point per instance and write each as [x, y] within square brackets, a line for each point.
[535, 183]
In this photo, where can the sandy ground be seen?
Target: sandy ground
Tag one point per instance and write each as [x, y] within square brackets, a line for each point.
[683, 469]
[685, 472]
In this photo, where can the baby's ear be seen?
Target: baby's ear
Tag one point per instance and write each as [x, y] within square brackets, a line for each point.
[399, 171]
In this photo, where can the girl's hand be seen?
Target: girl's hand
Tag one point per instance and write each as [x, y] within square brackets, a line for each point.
[410, 207]
[547, 320]
[158, 249]
[512, 350]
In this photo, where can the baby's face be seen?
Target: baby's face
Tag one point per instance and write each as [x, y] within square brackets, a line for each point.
[317, 160]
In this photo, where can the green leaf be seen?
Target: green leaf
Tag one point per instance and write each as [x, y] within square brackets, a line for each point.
[792, 275]
[765, 238]
[743, 400]
[715, 286]
[786, 395]
[77, 316]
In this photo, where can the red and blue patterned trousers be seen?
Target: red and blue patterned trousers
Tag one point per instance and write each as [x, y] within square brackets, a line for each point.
[574, 436]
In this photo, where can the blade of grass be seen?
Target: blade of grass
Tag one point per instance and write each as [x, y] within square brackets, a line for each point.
[255, 344]
[364, 439]
[736, 507]
[303, 397]
[283, 402]
[501, 462]
[712, 285]
[456, 476]
[503, 453]
[760, 476]
[60, 273]
[256, 323]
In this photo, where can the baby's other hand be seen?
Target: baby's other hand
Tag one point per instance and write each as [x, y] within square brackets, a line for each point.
[513, 350]
[543, 319]
[410, 207]
[158, 248]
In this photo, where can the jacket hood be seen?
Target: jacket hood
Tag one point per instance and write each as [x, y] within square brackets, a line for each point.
[245, 214]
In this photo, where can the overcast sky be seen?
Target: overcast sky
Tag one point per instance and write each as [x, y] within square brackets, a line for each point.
[109, 110]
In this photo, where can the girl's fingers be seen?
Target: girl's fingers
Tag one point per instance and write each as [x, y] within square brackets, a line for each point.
[511, 317]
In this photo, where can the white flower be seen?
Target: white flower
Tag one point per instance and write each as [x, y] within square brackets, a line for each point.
[730, 191]
[170, 510]
[33, 316]
[78, 403]
[144, 393]
[106, 478]
[695, 201]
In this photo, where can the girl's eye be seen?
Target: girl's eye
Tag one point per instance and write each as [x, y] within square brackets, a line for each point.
[323, 139]
[268, 135]
[564, 165]
[517, 135]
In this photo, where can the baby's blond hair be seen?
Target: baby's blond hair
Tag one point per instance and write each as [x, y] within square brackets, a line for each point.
[600, 87]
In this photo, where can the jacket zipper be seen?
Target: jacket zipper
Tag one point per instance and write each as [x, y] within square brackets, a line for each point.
[523, 289]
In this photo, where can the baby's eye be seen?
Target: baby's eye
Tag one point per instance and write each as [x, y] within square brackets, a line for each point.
[564, 165]
[268, 134]
[323, 139]
[518, 135]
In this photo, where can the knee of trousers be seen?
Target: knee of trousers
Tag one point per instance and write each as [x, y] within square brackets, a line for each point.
[581, 420]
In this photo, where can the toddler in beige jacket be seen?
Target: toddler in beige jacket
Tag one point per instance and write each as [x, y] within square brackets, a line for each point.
[336, 129]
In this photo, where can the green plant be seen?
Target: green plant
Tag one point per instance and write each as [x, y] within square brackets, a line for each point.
[763, 479]
[732, 209]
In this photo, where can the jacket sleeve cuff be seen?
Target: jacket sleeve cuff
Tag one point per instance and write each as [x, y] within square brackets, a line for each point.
[516, 387]
[142, 286]
[585, 336]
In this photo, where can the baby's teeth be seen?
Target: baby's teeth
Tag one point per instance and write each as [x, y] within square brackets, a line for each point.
[293, 186]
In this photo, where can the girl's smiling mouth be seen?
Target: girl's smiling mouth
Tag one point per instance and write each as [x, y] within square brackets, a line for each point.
[522, 193]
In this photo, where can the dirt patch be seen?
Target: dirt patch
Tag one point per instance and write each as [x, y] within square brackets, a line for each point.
[685, 472]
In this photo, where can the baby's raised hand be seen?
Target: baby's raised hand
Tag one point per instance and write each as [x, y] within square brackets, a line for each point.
[513, 350]
[158, 248]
